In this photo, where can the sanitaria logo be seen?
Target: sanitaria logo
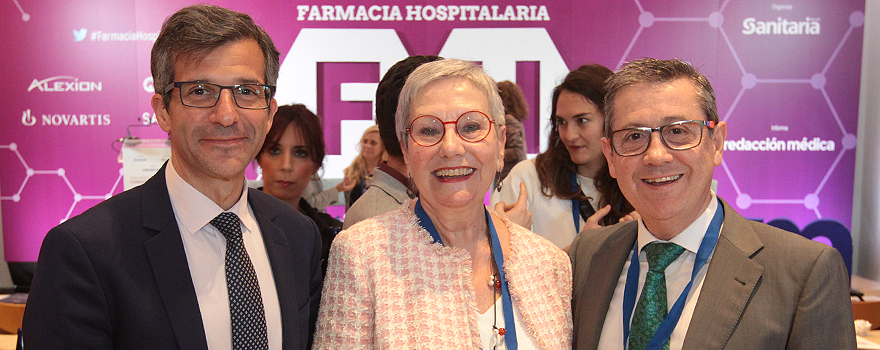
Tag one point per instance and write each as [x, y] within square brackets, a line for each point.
[809, 26]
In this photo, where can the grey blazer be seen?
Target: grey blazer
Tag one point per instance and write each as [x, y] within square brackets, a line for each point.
[384, 194]
[765, 289]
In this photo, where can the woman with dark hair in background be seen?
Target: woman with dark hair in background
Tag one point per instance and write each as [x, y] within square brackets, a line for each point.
[292, 153]
[569, 183]
[515, 111]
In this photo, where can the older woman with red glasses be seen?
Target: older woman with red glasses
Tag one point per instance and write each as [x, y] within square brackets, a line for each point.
[442, 271]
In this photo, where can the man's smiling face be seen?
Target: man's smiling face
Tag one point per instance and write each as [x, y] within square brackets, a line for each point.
[667, 187]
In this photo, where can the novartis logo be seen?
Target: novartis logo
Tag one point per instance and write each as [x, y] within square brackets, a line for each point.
[27, 119]
[809, 26]
[63, 119]
[64, 84]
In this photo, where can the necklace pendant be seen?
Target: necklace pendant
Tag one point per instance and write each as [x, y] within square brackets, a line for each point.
[496, 339]
[492, 281]
[498, 284]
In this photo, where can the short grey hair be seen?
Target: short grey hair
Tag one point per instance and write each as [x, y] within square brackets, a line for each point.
[446, 68]
[651, 70]
[197, 30]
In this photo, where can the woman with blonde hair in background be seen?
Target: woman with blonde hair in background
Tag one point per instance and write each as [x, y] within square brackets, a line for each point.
[361, 169]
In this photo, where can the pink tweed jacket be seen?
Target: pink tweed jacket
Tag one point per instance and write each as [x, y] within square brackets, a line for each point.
[388, 287]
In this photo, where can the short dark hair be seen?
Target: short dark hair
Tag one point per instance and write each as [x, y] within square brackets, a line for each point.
[387, 94]
[652, 70]
[196, 30]
[305, 123]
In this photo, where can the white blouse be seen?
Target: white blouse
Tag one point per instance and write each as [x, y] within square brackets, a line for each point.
[551, 216]
[495, 317]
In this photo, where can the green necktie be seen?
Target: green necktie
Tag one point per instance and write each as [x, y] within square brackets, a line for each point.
[652, 306]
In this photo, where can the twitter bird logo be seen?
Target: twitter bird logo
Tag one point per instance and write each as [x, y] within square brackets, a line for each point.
[79, 35]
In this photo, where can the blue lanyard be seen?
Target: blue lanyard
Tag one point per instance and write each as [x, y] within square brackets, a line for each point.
[575, 205]
[707, 245]
[506, 303]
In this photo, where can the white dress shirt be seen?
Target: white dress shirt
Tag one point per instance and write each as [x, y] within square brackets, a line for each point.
[205, 249]
[678, 274]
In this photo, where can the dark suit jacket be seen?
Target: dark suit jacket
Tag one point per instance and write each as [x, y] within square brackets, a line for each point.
[116, 276]
[765, 289]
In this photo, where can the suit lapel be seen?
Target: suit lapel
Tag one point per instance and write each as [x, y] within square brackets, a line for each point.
[281, 260]
[602, 273]
[170, 268]
[730, 281]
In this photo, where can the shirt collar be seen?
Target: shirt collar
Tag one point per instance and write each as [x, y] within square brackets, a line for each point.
[194, 210]
[582, 180]
[393, 172]
[691, 237]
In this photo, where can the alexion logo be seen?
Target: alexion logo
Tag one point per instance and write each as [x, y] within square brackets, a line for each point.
[809, 26]
[65, 83]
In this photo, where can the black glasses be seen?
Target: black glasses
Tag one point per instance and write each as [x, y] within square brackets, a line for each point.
[681, 135]
[205, 95]
[428, 130]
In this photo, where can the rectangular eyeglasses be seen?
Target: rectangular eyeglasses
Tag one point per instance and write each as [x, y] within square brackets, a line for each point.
[205, 95]
[680, 135]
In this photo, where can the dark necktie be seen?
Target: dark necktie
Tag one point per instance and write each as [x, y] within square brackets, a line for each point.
[245, 301]
[652, 306]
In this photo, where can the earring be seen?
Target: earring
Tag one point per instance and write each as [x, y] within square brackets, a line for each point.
[411, 189]
[498, 181]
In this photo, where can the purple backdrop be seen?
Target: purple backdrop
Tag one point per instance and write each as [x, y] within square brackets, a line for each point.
[786, 76]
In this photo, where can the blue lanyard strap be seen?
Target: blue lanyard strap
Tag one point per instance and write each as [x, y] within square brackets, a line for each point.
[506, 303]
[707, 245]
[426, 223]
[575, 205]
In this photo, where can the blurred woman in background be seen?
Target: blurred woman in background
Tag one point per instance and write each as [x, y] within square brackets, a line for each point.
[361, 169]
[516, 110]
[292, 153]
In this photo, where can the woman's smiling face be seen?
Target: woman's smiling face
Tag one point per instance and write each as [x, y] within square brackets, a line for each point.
[454, 172]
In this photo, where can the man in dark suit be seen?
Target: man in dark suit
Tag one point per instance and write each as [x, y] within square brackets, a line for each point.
[663, 280]
[192, 259]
